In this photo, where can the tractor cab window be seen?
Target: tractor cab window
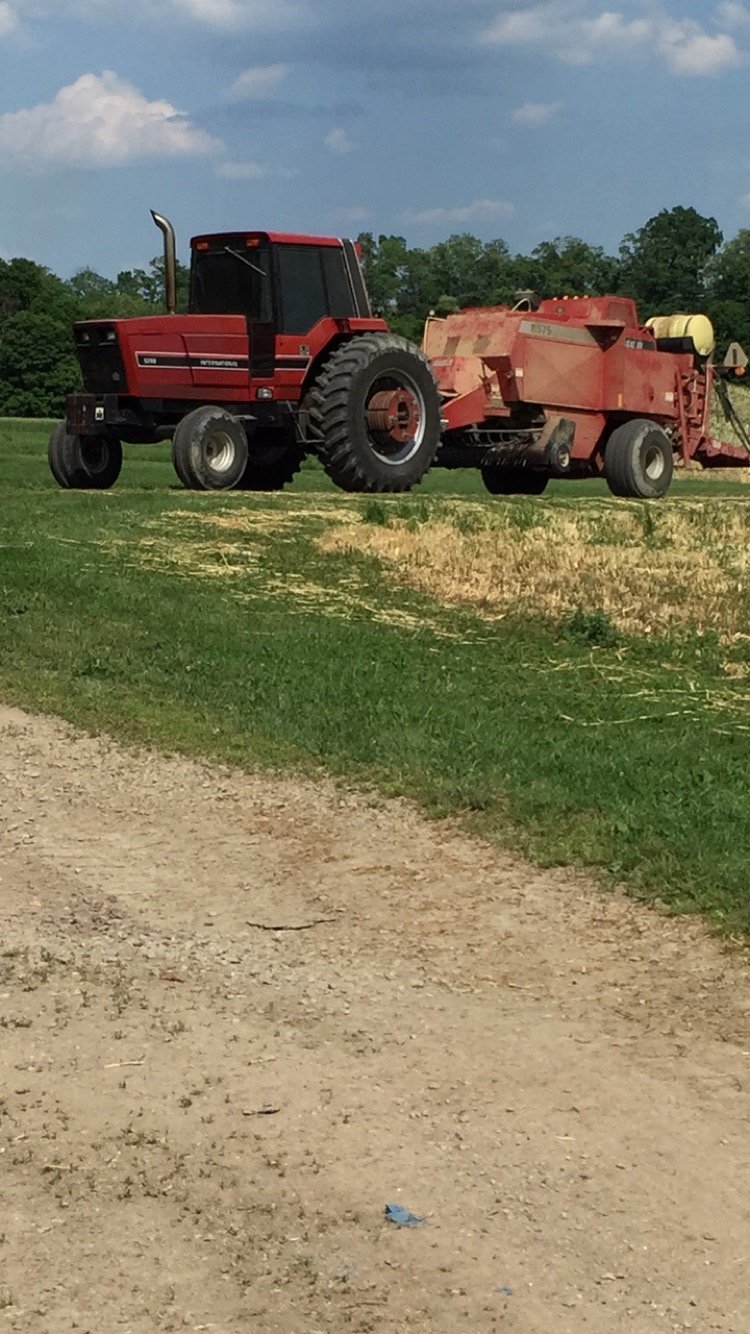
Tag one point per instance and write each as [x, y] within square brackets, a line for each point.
[231, 280]
[313, 283]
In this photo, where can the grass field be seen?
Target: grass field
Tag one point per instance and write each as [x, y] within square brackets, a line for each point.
[570, 675]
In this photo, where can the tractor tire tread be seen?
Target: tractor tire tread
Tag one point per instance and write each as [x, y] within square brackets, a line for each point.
[190, 459]
[272, 476]
[328, 409]
[67, 461]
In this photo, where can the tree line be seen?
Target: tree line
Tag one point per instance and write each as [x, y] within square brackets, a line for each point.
[678, 261]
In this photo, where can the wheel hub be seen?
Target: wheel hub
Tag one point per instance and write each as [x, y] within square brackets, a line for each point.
[95, 454]
[653, 463]
[220, 451]
[393, 416]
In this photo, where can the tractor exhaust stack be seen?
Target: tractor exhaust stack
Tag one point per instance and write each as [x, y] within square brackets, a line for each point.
[170, 261]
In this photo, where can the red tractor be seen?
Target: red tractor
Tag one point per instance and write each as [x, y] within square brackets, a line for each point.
[280, 354]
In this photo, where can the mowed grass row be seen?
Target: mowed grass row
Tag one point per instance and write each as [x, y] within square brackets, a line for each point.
[319, 630]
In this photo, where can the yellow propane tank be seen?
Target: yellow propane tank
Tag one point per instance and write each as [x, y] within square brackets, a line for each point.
[696, 329]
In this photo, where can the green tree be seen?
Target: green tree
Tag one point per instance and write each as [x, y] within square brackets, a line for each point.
[98, 298]
[664, 265]
[472, 272]
[568, 266]
[405, 284]
[385, 262]
[20, 282]
[37, 365]
[399, 282]
[94, 296]
[145, 287]
[728, 277]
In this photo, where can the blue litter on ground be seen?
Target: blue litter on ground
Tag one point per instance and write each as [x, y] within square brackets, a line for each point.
[396, 1213]
[507, 1292]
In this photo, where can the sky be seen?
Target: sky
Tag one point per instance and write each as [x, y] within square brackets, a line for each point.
[421, 118]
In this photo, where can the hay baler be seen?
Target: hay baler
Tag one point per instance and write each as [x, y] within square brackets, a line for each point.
[576, 387]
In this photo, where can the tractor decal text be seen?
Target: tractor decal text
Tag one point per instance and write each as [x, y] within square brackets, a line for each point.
[197, 361]
[173, 361]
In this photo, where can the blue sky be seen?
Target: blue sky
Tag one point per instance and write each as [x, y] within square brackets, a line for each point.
[419, 117]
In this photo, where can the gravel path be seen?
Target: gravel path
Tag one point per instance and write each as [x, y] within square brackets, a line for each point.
[240, 1015]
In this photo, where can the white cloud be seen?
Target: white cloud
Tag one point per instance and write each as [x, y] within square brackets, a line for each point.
[733, 14]
[217, 13]
[98, 121]
[353, 214]
[532, 114]
[574, 33]
[690, 50]
[257, 15]
[223, 15]
[7, 19]
[241, 171]
[253, 171]
[563, 27]
[610, 31]
[338, 141]
[480, 208]
[257, 81]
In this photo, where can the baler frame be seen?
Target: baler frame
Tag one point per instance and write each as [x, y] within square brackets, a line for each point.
[545, 390]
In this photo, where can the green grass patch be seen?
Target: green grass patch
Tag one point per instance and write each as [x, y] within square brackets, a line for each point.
[224, 626]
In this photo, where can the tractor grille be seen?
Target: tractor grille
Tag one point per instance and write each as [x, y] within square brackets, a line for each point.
[100, 358]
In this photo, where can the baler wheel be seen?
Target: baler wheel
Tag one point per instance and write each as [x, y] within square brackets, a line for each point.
[374, 414]
[514, 481]
[638, 460]
[84, 462]
[209, 450]
[274, 458]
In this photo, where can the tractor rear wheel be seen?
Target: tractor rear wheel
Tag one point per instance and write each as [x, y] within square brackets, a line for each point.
[274, 458]
[209, 450]
[513, 481]
[84, 462]
[638, 460]
[374, 414]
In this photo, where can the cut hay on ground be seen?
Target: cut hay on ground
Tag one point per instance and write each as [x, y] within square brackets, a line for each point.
[650, 569]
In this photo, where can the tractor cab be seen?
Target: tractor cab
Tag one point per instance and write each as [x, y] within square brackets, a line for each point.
[288, 281]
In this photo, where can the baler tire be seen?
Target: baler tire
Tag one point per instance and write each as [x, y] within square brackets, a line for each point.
[638, 460]
[269, 465]
[354, 457]
[84, 462]
[209, 449]
[514, 481]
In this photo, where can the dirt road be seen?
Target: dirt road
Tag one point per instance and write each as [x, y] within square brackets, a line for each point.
[239, 1016]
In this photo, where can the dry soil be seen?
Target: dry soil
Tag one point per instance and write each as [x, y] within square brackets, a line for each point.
[240, 1015]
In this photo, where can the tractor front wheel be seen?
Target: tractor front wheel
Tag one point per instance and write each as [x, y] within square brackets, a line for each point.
[84, 462]
[209, 450]
[638, 460]
[374, 414]
[513, 481]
